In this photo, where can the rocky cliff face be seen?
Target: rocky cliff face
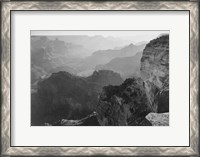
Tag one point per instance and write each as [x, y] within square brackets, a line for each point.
[123, 105]
[155, 73]
[131, 102]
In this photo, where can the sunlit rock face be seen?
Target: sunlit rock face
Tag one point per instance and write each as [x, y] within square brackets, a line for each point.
[123, 105]
[155, 73]
[131, 102]
[158, 119]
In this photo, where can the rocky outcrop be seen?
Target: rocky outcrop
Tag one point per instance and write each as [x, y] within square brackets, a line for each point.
[158, 119]
[131, 102]
[123, 105]
[90, 120]
[155, 73]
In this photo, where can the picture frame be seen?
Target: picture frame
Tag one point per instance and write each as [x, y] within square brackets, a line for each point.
[8, 7]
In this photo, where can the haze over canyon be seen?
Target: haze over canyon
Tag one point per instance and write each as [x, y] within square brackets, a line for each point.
[97, 80]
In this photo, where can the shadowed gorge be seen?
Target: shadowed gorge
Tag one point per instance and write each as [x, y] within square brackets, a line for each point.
[64, 95]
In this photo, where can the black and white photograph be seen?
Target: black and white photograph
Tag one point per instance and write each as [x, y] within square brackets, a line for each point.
[100, 78]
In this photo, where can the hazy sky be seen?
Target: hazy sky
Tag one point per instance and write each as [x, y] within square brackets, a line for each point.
[138, 35]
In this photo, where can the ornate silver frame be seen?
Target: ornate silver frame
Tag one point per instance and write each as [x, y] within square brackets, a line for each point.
[8, 6]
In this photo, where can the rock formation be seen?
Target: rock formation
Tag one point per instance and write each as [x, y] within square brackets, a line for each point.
[123, 105]
[131, 102]
[65, 99]
[104, 78]
[158, 119]
[50, 56]
[90, 120]
[104, 56]
[65, 96]
[155, 73]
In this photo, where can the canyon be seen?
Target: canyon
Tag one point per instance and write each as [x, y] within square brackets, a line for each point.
[117, 93]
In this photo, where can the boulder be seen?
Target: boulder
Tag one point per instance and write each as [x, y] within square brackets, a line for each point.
[158, 119]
